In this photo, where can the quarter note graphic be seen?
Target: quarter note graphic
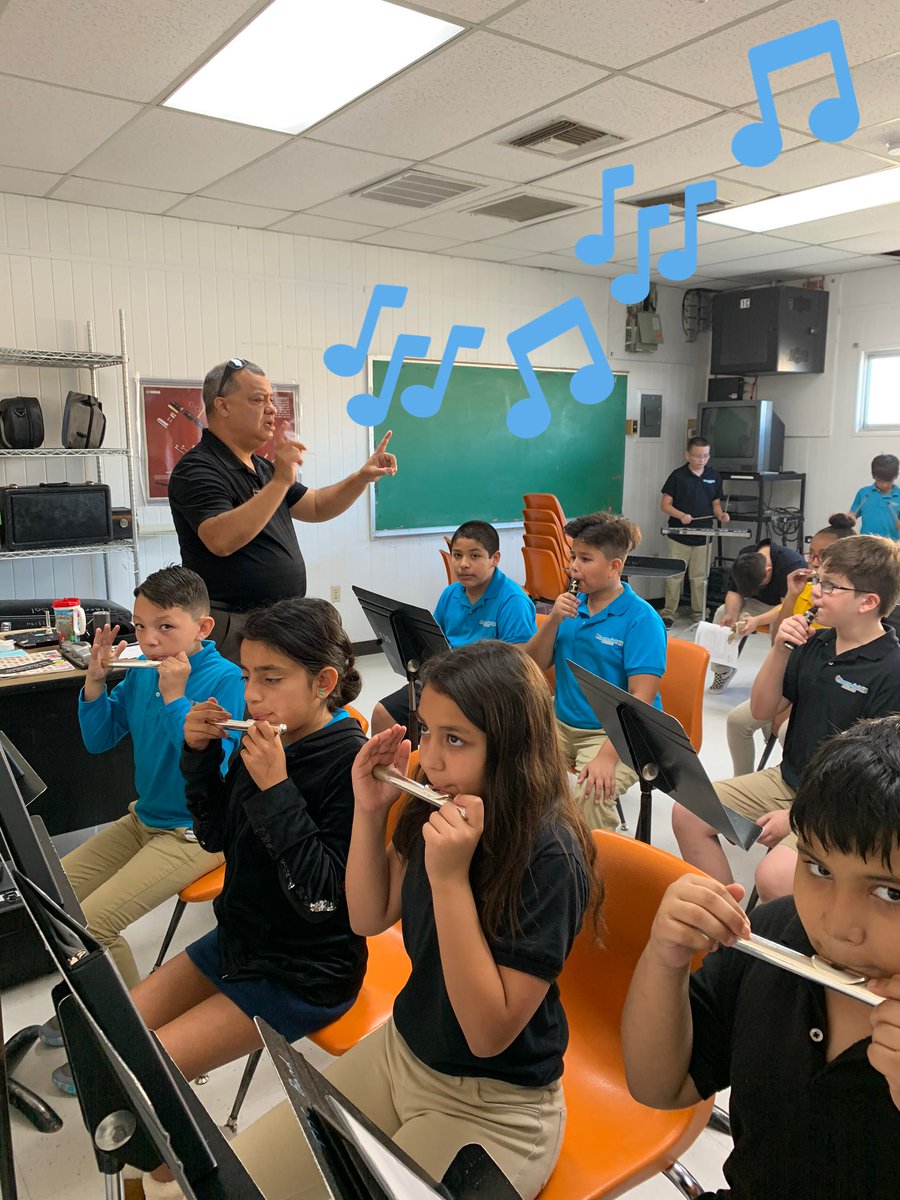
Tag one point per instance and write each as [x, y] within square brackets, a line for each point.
[831, 120]
[419, 399]
[681, 264]
[341, 359]
[596, 248]
[366, 409]
[530, 416]
[633, 287]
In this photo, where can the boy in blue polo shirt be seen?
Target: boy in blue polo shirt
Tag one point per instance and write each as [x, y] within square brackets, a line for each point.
[483, 604]
[877, 507]
[608, 630]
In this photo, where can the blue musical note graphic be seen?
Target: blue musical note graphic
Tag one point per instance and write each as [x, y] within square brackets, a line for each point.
[633, 287]
[341, 359]
[681, 264]
[418, 399]
[530, 416]
[597, 248]
[831, 120]
[366, 409]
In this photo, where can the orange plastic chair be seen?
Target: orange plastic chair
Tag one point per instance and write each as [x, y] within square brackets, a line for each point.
[201, 891]
[548, 501]
[544, 576]
[357, 716]
[550, 673]
[612, 1143]
[536, 541]
[543, 515]
[445, 555]
[681, 688]
[549, 529]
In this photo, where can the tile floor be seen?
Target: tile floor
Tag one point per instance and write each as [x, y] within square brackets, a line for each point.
[61, 1164]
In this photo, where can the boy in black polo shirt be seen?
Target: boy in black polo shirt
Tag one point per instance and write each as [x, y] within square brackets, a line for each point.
[814, 1075]
[693, 492]
[834, 676]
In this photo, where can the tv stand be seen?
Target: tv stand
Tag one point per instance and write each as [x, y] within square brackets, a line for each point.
[748, 496]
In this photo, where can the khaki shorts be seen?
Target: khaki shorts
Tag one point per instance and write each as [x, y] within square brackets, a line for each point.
[581, 745]
[756, 794]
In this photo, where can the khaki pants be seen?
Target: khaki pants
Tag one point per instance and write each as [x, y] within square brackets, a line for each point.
[227, 633]
[581, 745]
[740, 729]
[695, 559]
[753, 795]
[429, 1115]
[750, 605]
[126, 870]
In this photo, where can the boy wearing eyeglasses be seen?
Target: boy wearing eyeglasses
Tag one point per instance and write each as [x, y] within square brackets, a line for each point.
[832, 676]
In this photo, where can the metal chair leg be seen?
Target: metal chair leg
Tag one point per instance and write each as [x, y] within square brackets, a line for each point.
[178, 913]
[683, 1180]
[767, 750]
[752, 902]
[719, 1120]
[623, 824]
[246, 1079]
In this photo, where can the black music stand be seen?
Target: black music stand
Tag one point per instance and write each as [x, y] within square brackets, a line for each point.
[137, 1108]
[357, 1161]
[655, 745]
[409, 636]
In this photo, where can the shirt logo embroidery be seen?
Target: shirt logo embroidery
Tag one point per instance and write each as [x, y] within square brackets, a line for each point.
[849, 686]
[608, 641]
[488, 624]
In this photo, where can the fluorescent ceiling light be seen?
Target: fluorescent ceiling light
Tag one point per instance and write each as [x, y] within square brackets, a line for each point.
[298, 61]
[799, 208]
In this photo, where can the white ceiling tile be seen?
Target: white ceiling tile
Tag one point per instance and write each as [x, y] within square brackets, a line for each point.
[716, 68]
[115, 195]
[133, 51]
[616, 33]
[561, 233]
[304, 173]
[485, 251]
[179, 151]
[324, 227]
[626, 107]
[863, 262]
[471, 86]
[364, 212]
[780, 266]
[877, 88]
[809, 166]
[460, 226]
[465, 10]
[47, 128]
[26, 183]
[226, 212]
[671, 237]
[870, 243]
[714, 285]
[569, 266]
[407, 241]
[749, 246]
[847, 225]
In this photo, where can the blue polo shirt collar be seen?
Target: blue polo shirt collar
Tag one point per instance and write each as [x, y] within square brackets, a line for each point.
[614, 609]
[488, 594]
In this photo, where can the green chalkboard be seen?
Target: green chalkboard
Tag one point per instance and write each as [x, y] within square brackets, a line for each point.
[463, 463]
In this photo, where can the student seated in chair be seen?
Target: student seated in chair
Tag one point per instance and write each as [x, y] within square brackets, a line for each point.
[834, 676]
[608, 630]
[482, 605]
[814, 1074]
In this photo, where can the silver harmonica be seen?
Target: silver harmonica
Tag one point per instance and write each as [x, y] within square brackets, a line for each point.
[412, 787]
[243, 726]
[815, 968]
[128, 664]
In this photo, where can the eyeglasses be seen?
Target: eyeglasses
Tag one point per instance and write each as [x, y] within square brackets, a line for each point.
[232, 365]
[826, 587]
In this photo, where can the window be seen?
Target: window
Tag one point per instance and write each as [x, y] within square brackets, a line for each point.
[880, 408]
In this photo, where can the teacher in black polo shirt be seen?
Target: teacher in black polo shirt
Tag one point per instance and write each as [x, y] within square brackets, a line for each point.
[234, 511]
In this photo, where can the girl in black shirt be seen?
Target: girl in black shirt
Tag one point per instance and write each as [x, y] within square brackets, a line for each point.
[492, 890]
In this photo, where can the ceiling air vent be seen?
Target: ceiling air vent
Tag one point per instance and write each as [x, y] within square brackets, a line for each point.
[676, 200]
[566, 139]
[417, 189]
[523, 207]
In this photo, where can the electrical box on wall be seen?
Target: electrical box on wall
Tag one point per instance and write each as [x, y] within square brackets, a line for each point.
[769, 331]
[643, 331]
[651, 415]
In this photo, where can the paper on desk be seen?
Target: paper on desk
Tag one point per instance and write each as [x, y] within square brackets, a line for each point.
[715, 638]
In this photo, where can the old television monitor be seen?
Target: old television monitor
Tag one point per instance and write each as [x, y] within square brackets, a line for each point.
[743, 435]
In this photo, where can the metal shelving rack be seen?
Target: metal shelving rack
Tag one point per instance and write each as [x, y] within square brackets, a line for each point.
[92, 362]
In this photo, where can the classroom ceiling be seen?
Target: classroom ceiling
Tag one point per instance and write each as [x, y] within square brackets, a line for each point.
[82, 83]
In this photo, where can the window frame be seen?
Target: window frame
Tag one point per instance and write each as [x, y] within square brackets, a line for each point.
[863, 424]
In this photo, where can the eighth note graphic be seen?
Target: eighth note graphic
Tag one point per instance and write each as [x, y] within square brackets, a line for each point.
[530, 416]
[597, 248]
[632, 288]
[341, 359]
[419, 399]
[831, 120]
[366, 409]
[681, 264]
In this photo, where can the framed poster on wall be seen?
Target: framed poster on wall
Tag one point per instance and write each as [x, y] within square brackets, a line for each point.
[173, 419]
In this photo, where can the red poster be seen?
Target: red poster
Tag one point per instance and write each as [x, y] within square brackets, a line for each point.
[174, 418]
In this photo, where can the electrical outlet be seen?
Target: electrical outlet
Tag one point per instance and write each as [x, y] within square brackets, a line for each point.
[335, 593]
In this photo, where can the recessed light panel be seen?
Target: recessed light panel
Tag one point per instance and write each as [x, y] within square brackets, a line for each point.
[798, 208]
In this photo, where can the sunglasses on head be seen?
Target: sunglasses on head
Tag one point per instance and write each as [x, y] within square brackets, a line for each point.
[232, 365]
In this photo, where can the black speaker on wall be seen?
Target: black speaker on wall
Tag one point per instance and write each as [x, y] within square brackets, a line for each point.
[769, 331]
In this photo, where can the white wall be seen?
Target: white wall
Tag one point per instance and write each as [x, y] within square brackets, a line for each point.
[195, 294]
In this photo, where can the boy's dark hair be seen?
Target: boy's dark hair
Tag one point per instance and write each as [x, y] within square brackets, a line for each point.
[212, 384]
[885, 467]
[608, 532]
[849, 796]
[310, 632]
[840, 525]
[748, 571]
[479, 531]
[697, 441]
[868, 563]
[176, 587]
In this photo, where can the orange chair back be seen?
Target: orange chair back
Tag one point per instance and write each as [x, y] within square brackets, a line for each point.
[357, 716]
[681, 688]
[543, 515]
[611, 1142]
[549, 529]
[544, 576]
[545, 500]
[445, 557]
[536, 541]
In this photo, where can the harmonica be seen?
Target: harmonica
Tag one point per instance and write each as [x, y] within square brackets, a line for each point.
[809, 616]
[412, 787]
[814, 969]
[243, 726]
[128, 664]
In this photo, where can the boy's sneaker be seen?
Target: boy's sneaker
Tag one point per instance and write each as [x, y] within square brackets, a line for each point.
[722, 678]
[50, 1033]
[62, 1078]
[668, 622]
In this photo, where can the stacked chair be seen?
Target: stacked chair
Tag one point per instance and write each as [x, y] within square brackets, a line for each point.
[545, 547]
